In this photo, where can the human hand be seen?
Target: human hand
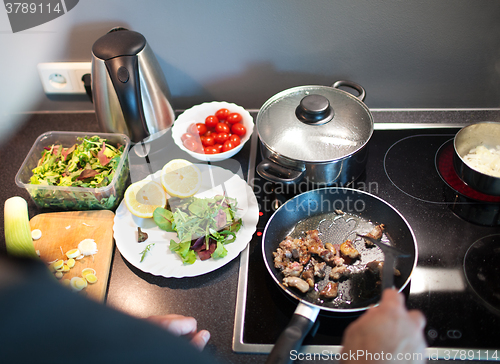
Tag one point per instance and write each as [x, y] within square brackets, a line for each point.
[386, 332]
[182, 326]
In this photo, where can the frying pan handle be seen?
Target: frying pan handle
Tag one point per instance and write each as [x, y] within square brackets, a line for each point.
[357, 87]
[275, 173]
[291, 338]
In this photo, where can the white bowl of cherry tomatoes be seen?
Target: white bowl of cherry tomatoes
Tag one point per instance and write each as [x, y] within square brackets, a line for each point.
[213, 131]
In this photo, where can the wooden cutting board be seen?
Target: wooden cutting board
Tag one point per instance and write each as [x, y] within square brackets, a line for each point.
[63, 231]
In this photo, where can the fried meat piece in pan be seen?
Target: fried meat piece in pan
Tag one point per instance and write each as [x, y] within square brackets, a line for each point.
[300, 252]
[313, 242]
[376, 234]
[330, 291]
[328, 257]
[376, 267]
[331, 259]
[347, 249]
[293, 269]
[288, 250]
[319, 270]
[338, 272]
[296, 282]
[312, 235]
[290, 244]
[308, 274]
[316, 247]
[312, 270]
[280, 259]
[330, 247]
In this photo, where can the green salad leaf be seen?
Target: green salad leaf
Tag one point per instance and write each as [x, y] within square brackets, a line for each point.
[204, 226]
[91, 163]
[183, 249]
[163, 218]
[220, 251]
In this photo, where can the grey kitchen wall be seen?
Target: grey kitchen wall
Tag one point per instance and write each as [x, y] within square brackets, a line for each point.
[407, 54]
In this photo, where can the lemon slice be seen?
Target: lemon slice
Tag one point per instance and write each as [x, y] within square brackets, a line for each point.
[181, 178]
[143, 197]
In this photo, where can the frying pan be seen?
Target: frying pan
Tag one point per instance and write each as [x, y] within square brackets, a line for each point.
[339, 214]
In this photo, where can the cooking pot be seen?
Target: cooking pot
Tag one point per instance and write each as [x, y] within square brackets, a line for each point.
[129, 89]
[485, 134]
[314, 134]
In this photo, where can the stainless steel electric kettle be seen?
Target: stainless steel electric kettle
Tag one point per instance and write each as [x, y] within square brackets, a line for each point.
[129, 89]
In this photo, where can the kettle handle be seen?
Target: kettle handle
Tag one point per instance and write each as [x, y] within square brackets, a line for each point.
[124, 74]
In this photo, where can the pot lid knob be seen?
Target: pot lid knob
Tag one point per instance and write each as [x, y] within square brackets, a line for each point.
[315, 110]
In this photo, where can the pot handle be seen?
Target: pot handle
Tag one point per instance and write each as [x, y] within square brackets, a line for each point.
[357, 87]
[276, 173]
[291, 338]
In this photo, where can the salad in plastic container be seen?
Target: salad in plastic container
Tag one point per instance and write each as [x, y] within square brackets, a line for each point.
[76, 170]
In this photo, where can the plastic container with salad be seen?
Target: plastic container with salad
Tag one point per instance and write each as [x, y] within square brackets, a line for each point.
[76, 170]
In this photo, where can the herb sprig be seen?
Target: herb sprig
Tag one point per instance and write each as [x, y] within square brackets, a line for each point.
[203, 225]
[146, 250]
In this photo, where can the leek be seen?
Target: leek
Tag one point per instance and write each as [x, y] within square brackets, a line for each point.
[17, 228]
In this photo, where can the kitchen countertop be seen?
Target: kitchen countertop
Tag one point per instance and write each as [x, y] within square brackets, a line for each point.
[211, 298]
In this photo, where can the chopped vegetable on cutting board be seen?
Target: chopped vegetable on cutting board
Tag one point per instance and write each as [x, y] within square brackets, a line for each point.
[79, 257]
[18, 240]
[36, 234]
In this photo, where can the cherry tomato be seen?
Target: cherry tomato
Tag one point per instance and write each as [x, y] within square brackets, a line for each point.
[186, 136]
[222, 128]
[220, 138]
[222, 114]
[211, 121]
[219, 133]
[234, 118]
[192, 145]
[228, 145]
[210, 150]
[192, 129]
[238, 129]
[207, 140]
[235, 139]
[198, 128]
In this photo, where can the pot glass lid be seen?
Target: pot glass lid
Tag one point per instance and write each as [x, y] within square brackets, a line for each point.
[314, 124]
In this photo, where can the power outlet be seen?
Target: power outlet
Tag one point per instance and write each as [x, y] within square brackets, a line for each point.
[63, 77]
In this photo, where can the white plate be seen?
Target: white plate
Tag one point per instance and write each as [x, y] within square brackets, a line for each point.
[160, 260]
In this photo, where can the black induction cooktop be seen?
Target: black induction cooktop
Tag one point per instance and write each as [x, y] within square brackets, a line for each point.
[456, 280]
